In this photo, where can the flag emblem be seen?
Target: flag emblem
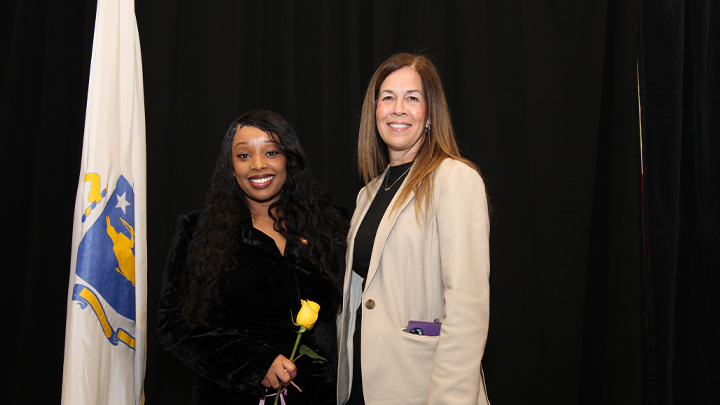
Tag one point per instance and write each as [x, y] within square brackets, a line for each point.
[106, 262]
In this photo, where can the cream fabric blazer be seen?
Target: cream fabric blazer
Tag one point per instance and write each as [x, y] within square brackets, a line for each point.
[421, 271]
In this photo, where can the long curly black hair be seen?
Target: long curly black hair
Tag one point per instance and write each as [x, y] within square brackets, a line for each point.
[303, 211]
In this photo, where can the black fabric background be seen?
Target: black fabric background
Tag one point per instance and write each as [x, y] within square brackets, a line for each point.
[680, 100]
[544, 98]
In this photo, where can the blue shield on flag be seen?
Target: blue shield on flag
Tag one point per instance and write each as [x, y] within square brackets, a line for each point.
[106, 261]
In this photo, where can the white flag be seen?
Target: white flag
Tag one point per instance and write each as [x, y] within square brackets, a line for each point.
[105, 332]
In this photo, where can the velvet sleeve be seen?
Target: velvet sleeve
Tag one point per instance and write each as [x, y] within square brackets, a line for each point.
[225, 356]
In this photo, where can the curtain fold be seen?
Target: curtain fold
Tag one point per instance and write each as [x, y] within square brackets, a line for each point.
[679, 72]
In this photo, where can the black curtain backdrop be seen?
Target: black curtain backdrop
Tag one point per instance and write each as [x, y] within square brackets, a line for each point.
[544, 99]
[679, 64]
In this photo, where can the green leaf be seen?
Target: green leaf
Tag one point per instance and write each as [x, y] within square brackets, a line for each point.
[304, 350]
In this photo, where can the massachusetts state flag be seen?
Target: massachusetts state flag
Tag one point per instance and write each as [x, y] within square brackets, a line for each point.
[105, 333]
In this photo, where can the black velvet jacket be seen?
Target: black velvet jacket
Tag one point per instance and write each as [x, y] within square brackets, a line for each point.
[232, 352]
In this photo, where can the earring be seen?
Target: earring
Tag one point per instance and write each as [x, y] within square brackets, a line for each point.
[427, 129]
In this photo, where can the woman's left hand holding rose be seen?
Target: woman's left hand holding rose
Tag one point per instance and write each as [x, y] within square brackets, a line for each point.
[282, 370]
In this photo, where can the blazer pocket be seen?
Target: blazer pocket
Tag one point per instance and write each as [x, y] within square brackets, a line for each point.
[415, 360]
[420, 347]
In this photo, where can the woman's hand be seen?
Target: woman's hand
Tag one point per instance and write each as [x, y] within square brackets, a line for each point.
[282, 370]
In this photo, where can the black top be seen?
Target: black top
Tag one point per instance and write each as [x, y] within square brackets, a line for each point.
[365, 237]
[251, 326]
[364, 240]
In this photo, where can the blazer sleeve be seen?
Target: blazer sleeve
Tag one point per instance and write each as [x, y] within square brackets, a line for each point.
[461, 211]
[225, 356]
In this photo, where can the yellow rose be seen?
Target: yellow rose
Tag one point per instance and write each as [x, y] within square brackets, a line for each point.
[308, 314]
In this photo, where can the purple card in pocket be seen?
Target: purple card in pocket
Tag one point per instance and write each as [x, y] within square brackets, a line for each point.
[424, 328]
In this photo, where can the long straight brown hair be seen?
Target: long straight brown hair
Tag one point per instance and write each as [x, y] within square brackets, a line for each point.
[437, 145]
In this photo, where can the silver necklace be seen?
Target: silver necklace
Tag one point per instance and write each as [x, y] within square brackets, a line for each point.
[387, 176]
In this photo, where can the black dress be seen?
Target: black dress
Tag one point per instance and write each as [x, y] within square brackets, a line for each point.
[232, 352]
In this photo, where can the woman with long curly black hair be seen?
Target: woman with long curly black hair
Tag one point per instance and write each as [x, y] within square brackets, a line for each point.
[266, 238]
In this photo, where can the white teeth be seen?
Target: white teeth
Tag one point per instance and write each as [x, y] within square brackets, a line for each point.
[399, 125]
[262, 180]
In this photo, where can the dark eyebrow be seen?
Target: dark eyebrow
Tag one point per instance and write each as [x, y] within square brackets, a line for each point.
[407, 92]
[248, 143]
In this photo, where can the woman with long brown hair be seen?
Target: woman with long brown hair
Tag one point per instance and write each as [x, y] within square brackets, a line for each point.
[416, 302]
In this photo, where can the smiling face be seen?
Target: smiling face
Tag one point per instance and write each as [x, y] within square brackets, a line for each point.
[258, 167]
[401, 114]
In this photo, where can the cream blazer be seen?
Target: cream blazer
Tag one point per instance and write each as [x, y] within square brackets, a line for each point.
[421, 271]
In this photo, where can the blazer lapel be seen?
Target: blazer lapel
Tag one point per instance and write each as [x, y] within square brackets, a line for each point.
[363, 205]
[364, 201]
[386, 225]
